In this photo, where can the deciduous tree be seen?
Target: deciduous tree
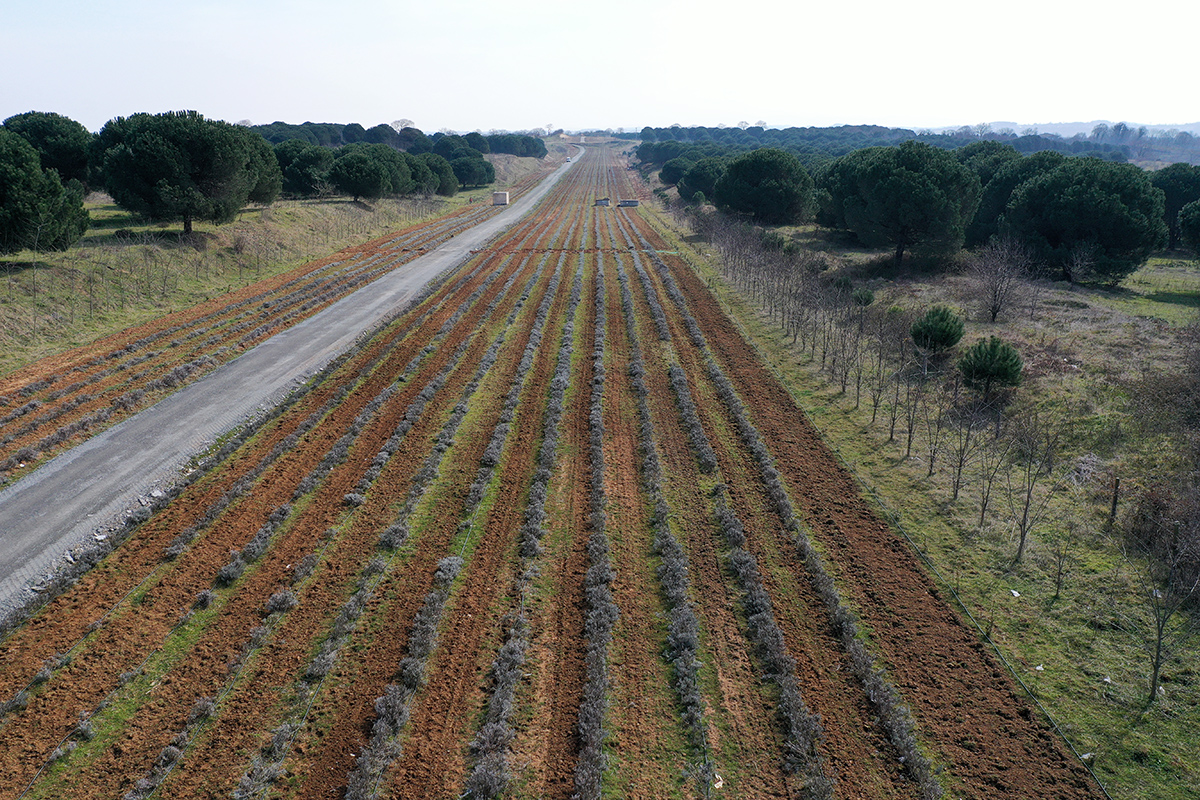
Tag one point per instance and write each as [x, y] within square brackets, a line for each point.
[996, 273]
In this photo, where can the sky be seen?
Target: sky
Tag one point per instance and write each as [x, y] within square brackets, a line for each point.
[519, 64]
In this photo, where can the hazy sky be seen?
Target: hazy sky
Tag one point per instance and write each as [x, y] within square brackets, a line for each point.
[517, 64]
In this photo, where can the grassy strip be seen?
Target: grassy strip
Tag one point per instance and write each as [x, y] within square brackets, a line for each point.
[683, 629]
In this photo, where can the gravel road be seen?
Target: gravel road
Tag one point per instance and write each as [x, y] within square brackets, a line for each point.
[90, 488]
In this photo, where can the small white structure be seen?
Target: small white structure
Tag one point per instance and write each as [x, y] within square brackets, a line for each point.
[499, 198]
[626, 203]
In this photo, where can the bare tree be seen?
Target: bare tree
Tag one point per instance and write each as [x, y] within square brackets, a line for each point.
[1032, 474]
[966, 424]
[935, 415]
[992, 458]
[997, 273]
[1166, 586]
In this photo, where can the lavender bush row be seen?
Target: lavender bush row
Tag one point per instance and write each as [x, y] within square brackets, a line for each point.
[46, 419]
[656, 310]
[397, 533]
[533, 527]
[683, 629]
[68, 572]
[393, 707]
[62, 434]
[495, 447]
[185, 537]
[173, 752]
[895, 717]
[672, 289]
[802, 728]
[205, 707]
[266, 766]
[490, 775]
[427, 393]
[602, 611]
[691, 420]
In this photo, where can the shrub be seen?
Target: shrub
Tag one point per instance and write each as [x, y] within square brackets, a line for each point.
[283, 600]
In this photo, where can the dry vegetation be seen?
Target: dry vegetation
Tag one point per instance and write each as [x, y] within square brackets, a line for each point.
[1075, 616]
[555, 531]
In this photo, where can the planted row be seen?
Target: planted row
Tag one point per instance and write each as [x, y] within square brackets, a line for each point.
[602, 612]
[895, 718]
[683, 628]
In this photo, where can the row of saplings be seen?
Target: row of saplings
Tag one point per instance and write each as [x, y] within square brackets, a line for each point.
[1008, 459]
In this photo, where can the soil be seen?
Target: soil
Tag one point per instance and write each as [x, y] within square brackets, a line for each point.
[970, 718]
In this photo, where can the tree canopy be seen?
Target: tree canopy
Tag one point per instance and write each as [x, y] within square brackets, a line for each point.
[517, 144]
[1180, 185]
[305, 166]
[1189, 226]
[473, 171]
[990, 363]
[998, 190]
[1088, 214]
[447, 181]
[181, 166]
[674, 169]
[937, 330]
[769, 184]
[702, 177]
[61, 143]
[36, 211]
[910, 196]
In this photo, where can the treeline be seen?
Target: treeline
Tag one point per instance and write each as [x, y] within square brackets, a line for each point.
[397, 135]
[1080, 218]
[182, 167]
[815, 145]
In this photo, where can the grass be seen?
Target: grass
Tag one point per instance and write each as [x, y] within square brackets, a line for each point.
[1166, 289]
[1081, 345]
[126, 271]
[124, 703]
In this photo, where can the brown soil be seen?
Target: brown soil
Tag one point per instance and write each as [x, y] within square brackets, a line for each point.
[645, 731]
[969, 715]
[967, 707]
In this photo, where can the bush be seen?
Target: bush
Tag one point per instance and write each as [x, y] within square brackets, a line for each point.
[283, 600]
[938, 330]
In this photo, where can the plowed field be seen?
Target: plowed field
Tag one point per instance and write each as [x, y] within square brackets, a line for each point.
[453, 562]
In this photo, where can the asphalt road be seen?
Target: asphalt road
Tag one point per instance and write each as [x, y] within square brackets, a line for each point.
[93, 486]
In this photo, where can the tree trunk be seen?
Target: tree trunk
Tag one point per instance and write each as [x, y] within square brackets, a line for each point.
[1156, 666]
[187, 226]
[899, 254]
